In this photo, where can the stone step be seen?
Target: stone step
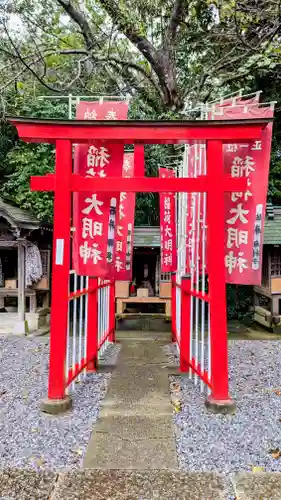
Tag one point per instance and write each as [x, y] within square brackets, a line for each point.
[144, 322]
[160, 336]
[6, 330]
[124, 484]
[120, 484]
[7, 321]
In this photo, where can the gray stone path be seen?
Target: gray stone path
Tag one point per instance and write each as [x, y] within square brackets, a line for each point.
[136, 485]
[131, 455]
[135, 429]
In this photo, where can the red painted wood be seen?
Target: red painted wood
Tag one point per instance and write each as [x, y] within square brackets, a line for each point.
[103, 340]
[42, 182]
[139, 164]
[147, 133]
[111, 337]
[103, 285]
[60, 271]
[173, 307]
[200, 295]
[216, 272]
[92, 336]
[80, 293]
[185, 323]
[140, 184]
[155, 184]
[72, 374]
[203, 374]
[215, 184]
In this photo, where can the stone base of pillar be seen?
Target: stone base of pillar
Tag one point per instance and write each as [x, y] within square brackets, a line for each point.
[226, 407]
[21, 327]
[56, 406]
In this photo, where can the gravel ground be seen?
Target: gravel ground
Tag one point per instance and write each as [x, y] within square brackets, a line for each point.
[29, 438]
[226, 444]
[205, 442]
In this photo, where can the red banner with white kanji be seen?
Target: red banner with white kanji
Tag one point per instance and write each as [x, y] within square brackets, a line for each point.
[125, 227]
[196, 212]
[245, 212]
[102, 110]
[232, 102]
[167, 227]
[190, 159]
[95, 214]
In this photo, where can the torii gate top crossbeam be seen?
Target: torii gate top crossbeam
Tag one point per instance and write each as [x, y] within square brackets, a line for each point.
[141, 132]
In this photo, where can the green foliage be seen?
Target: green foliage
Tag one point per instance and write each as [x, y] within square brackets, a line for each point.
[26, 160]
[27, 103]
[239, 302]
[274, 186]
[22, 160]
[147, 204]
[147, 209]
[217, 47]
[128, 49]
[8, 138]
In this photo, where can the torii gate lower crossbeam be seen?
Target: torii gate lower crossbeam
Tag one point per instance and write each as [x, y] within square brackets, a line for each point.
[215, 184]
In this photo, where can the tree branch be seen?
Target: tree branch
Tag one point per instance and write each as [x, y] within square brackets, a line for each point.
[79, 19]
[237, 76]
[161, 61]
[175, 20]
[12, 80]
[129, 30]
[24, 63]
[259, 38]
[116, 61]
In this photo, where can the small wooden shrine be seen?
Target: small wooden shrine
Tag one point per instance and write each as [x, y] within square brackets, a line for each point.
[25, 249]
[150, 290]
[267, 297]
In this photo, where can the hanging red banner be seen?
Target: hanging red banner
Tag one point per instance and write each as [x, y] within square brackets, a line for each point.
[94, 214]
[195, 212]
[102, 110]
[245, 212]
[201, 214]
[237, 101]
[167, 227]
[190, 160]
[125, 227]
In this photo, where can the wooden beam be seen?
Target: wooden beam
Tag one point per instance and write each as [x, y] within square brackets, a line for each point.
[21, 326]
[21, 281]
[138, 184]
[139, 163]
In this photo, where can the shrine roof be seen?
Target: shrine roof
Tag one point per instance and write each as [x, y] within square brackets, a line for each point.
[142, 131]
[17, 217]
[147, 236]
[138, 123]
[272, 225]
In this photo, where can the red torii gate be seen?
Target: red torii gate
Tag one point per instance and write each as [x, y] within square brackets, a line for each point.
[65, 133]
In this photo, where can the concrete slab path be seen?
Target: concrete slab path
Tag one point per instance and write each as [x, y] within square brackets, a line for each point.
[132, 453]
[135, 429]
[136, 485]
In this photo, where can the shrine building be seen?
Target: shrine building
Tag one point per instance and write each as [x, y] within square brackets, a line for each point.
[150, 291]
[25, 270]
[267, 297]
[156, 298]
